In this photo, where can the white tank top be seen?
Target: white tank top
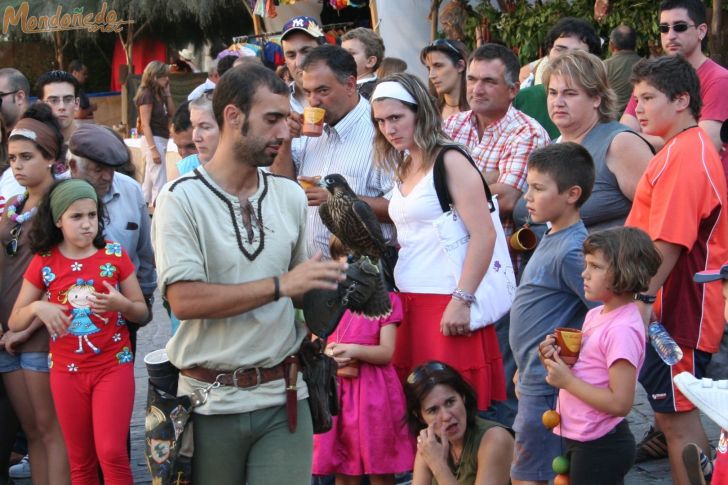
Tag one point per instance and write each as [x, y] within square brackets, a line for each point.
[422, 266]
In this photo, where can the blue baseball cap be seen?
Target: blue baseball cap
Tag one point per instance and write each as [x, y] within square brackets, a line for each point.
[308, 25]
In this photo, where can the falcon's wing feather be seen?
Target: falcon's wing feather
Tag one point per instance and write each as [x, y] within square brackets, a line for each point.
[365, 215]
[326, 218]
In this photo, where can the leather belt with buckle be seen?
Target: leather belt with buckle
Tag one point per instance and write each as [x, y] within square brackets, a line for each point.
[241, 378]
[251, 378]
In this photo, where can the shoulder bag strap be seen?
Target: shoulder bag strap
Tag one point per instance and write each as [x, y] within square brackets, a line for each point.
[439, 177]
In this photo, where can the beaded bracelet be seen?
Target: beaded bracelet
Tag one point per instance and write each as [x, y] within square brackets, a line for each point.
[464, 296]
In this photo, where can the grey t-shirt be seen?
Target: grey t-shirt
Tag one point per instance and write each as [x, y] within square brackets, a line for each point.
[550, 295]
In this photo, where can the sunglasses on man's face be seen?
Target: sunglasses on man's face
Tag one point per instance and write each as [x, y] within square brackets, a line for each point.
[677, 27]
[12, 247]
[2, 96]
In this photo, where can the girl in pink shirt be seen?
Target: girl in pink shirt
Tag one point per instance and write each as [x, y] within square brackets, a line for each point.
[598, 391]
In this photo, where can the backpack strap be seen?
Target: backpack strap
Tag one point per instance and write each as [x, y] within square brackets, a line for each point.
[439, 177]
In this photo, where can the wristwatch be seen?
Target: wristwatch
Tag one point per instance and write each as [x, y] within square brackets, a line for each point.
[649, 299]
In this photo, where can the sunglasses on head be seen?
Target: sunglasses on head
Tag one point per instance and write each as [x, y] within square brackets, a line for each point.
[418, 374]
[11, 249]
[677, 27]
[446, 43]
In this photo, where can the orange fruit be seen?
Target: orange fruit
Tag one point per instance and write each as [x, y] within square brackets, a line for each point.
[561, 479]
[551, 419]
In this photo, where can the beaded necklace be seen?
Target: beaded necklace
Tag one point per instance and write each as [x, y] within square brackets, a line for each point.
[14, 207]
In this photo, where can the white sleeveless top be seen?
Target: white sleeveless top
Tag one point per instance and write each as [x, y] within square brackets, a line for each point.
[422, 266]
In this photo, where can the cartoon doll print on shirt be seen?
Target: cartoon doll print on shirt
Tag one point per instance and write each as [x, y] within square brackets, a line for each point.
[81, 324]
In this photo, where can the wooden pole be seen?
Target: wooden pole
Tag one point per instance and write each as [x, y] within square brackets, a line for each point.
[374, 15]
[256, 25]
[434, 18]
[256, 19]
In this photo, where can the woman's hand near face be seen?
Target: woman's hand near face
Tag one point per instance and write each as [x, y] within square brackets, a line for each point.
[434, 452]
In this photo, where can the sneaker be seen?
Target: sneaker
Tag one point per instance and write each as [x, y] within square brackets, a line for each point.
[698, 466]
[652, 447]
[21, 470]
[710, 396]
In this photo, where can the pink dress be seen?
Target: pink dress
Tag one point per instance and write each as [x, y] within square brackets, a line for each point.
[370, 436]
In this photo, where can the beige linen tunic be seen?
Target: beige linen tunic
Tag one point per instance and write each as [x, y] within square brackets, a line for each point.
[199, 235]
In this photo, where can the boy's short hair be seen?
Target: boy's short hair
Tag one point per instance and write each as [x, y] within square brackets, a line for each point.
[574, 27]
[372, 42]
[52, 77]
[181, 119]
[671, 75]
[631, 255]
[569, 164]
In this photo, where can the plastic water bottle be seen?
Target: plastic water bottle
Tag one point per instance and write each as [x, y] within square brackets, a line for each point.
[665, 346]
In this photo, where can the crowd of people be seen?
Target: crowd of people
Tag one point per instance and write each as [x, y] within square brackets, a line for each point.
[623, 215]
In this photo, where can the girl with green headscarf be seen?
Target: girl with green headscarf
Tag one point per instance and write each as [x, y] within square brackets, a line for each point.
[84, 289]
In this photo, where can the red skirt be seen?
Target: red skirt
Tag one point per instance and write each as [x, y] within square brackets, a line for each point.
[419, 339]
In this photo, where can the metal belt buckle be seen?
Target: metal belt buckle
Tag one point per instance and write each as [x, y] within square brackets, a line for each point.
[258, 379]
[235, 377]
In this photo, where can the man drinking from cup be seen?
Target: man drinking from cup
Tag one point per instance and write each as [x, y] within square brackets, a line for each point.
[344, 145]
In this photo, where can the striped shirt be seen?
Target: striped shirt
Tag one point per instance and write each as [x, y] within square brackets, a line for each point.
[295, 104]
[345, 148]
[504, 147]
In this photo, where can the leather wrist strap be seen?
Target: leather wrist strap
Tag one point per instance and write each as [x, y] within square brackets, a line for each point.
[276, 288]
[649, 299]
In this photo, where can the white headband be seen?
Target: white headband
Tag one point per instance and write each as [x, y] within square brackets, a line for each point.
[24, 132]
[394, 90]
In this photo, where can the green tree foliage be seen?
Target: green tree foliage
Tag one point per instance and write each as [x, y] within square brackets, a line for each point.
[524, 28]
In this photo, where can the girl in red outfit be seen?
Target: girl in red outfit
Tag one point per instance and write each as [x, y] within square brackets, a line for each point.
[83, 288]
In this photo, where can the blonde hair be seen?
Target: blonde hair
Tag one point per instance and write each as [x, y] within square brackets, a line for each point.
[152, 72]
[429, 135]
[588, 72]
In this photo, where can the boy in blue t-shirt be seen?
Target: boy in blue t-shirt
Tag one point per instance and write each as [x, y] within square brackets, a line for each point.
[551, 294]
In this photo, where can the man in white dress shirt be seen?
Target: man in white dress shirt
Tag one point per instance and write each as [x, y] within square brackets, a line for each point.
[345, 146]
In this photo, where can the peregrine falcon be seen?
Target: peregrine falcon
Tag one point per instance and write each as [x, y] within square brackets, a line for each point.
[351, 220]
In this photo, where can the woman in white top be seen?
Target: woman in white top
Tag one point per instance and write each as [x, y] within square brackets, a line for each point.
[437, 317]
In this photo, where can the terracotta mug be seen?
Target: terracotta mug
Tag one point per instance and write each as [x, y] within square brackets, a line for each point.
[307, 184]
[313, 121]
[524, 239]
[569, 341]
[351, 370]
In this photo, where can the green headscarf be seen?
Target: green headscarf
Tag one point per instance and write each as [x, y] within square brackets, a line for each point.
[68, 192]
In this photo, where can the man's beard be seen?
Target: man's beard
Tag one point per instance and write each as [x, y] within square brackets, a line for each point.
[251, 150]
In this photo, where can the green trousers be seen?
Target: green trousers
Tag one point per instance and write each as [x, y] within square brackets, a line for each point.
[253, 448]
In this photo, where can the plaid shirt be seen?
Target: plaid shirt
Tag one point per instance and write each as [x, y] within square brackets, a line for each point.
[505, 147]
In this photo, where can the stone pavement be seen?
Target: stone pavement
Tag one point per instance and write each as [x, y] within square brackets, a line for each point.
[156, 334]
